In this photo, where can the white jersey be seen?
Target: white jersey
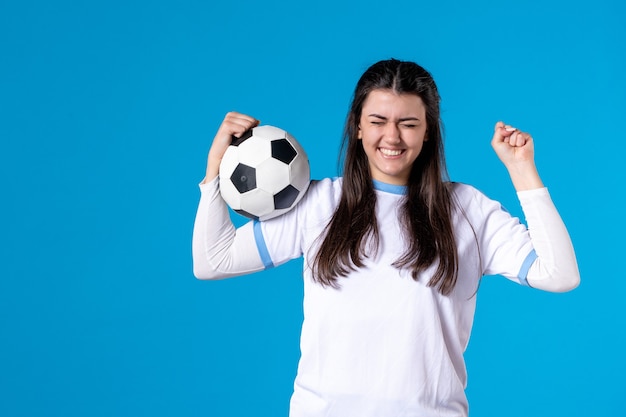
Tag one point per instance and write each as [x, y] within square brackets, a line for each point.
[383, 344]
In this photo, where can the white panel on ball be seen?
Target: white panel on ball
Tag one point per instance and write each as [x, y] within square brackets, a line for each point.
[254, 152]
[230, 160]
[257, 202]
[272, 175]
[234, 197]
[299, 172]
[269, 132]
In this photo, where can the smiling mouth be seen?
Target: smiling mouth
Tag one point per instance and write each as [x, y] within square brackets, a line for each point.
[391, 152]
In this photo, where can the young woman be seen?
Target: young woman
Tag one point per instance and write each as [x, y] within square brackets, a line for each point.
[393, 253]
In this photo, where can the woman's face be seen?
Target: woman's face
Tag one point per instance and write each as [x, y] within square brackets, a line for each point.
[392, 129]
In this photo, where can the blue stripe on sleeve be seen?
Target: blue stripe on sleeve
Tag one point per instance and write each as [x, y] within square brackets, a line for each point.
[261, 246]
[523, 272]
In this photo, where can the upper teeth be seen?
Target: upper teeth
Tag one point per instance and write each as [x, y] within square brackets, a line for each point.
[391, 152]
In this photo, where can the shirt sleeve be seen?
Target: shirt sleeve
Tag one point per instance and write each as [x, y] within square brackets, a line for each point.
[555, 267]
[504, 243]
[540, 255]
[219, 250]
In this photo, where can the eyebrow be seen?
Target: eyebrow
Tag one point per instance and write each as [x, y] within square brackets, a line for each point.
[403, 119]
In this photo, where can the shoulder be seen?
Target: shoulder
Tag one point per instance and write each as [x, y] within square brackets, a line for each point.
[464, 192]
[320, 197]
[470, 199]
[324, 190]
[317, 205]
[463, 188]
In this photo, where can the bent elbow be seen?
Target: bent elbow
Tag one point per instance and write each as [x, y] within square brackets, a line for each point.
[559, 283]
[571, 283]
[560, 277]
[566, 285]
[569, 279]
[204, 272]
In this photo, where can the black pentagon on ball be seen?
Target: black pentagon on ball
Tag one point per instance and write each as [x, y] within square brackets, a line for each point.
[244, 178]
[236, 141]
[285, 198]
[283, 151]
[246, 214]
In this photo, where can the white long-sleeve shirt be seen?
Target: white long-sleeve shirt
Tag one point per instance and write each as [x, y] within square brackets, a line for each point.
[384, 344]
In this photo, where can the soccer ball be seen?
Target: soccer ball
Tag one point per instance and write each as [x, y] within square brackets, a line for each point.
[264, 173]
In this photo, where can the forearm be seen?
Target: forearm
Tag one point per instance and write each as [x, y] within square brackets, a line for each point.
[219, 250]
[555, 268]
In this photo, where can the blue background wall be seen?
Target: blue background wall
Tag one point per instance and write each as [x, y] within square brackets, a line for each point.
[107, 110]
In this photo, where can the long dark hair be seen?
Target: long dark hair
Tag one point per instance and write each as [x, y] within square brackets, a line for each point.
[353, 233]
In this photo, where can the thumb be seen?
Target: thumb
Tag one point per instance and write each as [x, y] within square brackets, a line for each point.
[498, 133]
[502, 133]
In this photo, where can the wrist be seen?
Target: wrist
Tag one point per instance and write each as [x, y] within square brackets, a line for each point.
[525, 178]
[212, 171]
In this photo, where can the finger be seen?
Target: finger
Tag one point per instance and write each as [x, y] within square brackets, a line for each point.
[519, 139]
[241, 119]
[514, 139]
[237, 127]
[509, 130]
[527, 139]
[233, 115]
[235, 124]
[498, 134]
[503, 132]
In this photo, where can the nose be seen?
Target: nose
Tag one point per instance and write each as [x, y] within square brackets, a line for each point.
[392, 133]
